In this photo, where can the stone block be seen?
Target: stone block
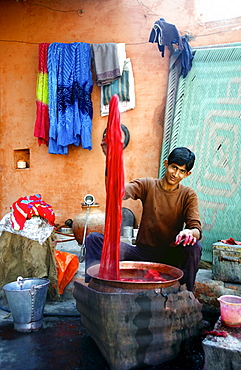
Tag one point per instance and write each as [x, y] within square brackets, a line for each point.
[226, 264]
[207, 290]
[223, 352]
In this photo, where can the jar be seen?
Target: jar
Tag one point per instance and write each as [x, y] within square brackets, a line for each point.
[95, 221]
[21, 164]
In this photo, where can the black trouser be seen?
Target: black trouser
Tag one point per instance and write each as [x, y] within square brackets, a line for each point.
[186, 258]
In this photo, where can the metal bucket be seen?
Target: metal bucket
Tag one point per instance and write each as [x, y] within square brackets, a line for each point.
[26, 298]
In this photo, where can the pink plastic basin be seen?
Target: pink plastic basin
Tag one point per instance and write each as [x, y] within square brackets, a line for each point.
[230, 307]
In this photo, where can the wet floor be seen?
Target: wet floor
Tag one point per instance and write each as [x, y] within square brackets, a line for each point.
[63, 343]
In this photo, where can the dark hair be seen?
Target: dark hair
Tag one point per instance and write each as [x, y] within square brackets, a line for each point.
[182, 156]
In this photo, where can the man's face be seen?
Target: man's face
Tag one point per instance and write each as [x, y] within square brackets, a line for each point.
[175, 173]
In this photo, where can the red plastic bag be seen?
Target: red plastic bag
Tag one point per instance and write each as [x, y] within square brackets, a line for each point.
[67, 265]
[109, 264]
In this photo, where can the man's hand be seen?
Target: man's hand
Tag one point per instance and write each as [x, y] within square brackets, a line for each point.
[186, 237]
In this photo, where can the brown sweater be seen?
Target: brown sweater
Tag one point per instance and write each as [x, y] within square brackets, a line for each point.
[164, 212]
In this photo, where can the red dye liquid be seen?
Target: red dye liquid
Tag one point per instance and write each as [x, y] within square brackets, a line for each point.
[109, 264]
[150, 276]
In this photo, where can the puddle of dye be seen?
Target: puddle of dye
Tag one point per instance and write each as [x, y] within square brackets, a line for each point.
[148, 276]
[109, 264]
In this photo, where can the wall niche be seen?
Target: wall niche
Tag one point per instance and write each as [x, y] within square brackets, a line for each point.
[21, 159]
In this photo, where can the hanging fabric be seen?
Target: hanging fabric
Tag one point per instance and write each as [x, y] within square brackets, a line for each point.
[125, 91]
[41, 129]
[70, 105]
[186, 57]
[164, 33]
[121, 54]
[119, 87]
[106, 63]
[109, 265]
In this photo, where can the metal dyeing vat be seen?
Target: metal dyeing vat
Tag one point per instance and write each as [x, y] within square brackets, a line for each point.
[26, 298]
[138, 324]
[135, 270]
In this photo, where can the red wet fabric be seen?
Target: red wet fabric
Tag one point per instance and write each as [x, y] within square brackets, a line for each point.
[150, 276]
[109, 264]
[230, 241]
[216, 333]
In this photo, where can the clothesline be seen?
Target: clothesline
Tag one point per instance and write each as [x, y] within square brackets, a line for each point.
[133, 43]
[37, 43]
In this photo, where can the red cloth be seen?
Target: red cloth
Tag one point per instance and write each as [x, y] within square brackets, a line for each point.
[42, 123]
[230, 241]
[26, 207]
[41, 129]
[109, 264]
[216, 333]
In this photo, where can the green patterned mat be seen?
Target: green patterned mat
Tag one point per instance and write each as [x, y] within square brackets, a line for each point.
[207, 119]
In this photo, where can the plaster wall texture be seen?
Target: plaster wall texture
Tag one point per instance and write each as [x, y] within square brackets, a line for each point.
[63, 181]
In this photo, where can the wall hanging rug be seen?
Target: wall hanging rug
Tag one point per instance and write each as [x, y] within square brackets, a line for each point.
[203, 114]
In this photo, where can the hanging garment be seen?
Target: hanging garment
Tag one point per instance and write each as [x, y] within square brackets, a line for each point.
[109, 265]
[106, 63]
[26, 207]
[124, 105]
[164, 33]
[41, 129]
[70, 105]
[121, 55]
[119, 87]
[186, 58]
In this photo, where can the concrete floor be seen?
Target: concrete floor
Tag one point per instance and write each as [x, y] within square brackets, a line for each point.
[63, 342]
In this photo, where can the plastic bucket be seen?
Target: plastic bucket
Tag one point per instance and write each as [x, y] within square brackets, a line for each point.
[230, 307]
[26, 299]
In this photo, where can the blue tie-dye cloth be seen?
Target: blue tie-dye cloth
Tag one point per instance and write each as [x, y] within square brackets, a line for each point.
[70, 86]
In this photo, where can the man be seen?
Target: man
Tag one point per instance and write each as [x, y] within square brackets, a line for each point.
[170, 226]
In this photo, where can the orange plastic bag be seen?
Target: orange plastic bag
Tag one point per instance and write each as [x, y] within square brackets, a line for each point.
[67, 265]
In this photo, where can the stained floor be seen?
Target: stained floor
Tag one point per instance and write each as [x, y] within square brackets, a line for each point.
[63, 343]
